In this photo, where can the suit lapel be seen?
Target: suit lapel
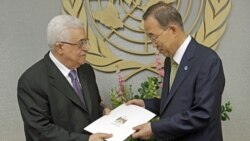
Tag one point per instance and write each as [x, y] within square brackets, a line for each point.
[181, 74]
[183, 70]
[59, 82]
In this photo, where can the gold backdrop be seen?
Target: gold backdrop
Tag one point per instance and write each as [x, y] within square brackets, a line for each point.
[116, 26]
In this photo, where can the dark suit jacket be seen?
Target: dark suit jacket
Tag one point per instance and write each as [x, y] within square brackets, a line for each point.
[50, 109]
[190, 111]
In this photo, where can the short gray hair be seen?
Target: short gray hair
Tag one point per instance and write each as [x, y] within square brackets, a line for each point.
[59, 26]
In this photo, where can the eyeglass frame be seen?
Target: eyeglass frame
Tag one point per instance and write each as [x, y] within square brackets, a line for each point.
[153, 38]
[79, 44]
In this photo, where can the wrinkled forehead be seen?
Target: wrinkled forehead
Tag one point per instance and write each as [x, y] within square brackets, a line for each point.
[77, 34]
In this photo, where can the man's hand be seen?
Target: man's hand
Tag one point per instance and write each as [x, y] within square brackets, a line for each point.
[137, 102]
[143, 131]
[99, 137]
[106, 111]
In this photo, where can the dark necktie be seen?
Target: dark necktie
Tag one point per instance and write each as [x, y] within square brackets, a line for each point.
[76, 85]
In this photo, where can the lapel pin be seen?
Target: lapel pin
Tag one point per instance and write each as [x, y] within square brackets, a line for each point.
[185, 68]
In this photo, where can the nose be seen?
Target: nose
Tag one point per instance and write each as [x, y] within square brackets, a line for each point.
[154, 44]
[86, 47]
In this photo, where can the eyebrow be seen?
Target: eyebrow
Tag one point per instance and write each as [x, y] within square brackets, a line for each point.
[150, 34]
[83, 39]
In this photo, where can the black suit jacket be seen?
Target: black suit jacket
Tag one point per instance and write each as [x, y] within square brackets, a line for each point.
[50, 109]
[190, 111]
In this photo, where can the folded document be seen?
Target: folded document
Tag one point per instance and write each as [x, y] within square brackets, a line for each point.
[120, 121]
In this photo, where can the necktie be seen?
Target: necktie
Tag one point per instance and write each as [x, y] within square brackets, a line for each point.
[174, 67]
[76, 85]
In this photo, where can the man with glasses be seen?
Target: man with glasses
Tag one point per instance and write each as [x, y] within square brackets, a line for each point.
[58, 96]
[189, 107]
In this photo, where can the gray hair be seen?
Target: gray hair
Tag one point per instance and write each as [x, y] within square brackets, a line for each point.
[165, 14]
[58, 28]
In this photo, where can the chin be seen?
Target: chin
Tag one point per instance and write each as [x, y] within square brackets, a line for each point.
[164, 54]
[83, 62]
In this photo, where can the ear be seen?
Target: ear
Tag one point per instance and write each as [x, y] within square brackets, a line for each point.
[173, 28]
[58, 48]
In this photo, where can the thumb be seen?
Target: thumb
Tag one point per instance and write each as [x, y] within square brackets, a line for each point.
[105, 136]
[137, 127]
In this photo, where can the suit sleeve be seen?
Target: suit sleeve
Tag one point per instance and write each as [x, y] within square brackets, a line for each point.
[153, 105]
[206, 103]
[35, 112]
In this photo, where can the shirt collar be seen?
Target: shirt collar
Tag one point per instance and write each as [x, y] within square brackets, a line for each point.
[64, 70]
[181, 50]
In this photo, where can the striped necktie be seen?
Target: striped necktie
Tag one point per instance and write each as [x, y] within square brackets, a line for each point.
[76, 85]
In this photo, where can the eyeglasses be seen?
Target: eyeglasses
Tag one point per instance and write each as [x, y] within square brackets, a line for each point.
[79, 44]
[153, 38]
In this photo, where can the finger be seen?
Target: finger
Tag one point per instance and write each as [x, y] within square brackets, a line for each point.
[106, 111]
[105, 135]
[130, 102]
[137, 127]
[134, 102]
[136, 135]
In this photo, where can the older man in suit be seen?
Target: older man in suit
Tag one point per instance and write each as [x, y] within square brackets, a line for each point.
[189, 107]
[58, 96]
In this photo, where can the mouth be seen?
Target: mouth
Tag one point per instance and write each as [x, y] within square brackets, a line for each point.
[83, 54]
[160, 50]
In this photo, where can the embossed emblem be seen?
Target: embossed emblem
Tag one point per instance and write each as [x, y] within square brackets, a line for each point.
[116, 33]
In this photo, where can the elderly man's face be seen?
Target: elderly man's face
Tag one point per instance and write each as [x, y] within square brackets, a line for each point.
[162, 39]
[74, 49]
